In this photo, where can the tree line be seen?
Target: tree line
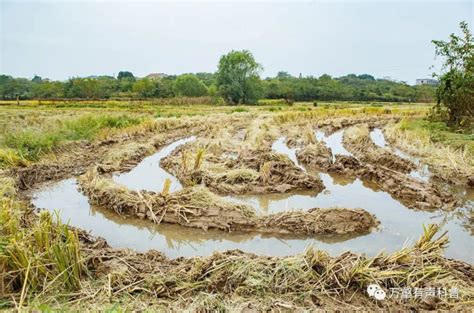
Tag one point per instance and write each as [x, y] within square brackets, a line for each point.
[236, 81]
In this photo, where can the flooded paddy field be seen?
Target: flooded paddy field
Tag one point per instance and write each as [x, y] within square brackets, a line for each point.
[322, 201]
[399, 225]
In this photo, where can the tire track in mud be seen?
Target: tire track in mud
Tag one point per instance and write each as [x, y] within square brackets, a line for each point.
[224, 151]
[199, 208]
[386, 170]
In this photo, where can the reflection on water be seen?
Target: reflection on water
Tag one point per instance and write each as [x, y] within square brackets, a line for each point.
[173, 240]
[280, 146]
[399, 225]
[378, 138]
[421, 172]
[148, 174]
[334, 142]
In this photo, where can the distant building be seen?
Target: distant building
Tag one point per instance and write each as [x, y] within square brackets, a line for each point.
[427, 81]
[156, 75]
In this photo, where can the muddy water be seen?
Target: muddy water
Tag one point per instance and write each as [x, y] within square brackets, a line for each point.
[173, 240]
[378, 138]
[333, 141]
[148, 174]
[399, 225]
[422, 172]
[280, 146]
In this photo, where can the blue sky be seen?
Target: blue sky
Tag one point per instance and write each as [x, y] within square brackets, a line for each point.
[61, 39]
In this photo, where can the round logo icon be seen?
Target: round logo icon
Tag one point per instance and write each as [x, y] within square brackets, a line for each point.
[375, 291]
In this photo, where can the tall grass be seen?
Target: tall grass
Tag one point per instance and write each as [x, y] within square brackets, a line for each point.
[199, 158]
[308, 115]
[451, 155]
[38, 256]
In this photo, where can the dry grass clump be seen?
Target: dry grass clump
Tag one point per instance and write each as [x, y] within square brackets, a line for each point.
[238, 176]
[129, 153]
[316, 155]
[166, 187]
[7, 186]
[309, 136]
[37, 255]
[311, 280]
[10, 158]
[455, 165]
[192, 207]
[199, 158]
[320, 221]
[358, 134]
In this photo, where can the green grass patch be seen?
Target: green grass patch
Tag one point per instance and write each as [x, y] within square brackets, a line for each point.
[239, 109]
[440, 132]
[29, 144]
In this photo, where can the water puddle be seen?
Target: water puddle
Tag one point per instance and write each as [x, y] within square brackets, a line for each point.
[148, 174]
[334, 142]
[280, 146]
[399, 225]
[173, 240]
[422, 172]
[378, 138]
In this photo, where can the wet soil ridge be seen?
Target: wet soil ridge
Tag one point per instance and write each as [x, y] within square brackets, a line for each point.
[296, 138]
[254, 171]
[316, 155]
[461, 174]
[116, 153]
[241, 279]
[357, 140]
[198, 207]
[411, 192]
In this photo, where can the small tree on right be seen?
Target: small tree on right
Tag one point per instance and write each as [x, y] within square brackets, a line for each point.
[455, 93]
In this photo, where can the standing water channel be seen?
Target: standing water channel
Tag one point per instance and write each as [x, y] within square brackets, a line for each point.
[422, 172]
[399, 225]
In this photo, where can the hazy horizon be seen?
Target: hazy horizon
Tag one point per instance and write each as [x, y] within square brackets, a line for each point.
[58, 40]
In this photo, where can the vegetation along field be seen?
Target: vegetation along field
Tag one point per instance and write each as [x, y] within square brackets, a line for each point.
[217, 204]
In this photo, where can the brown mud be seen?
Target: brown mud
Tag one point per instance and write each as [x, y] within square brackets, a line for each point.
[251, 171]
[197, 207]
[357, 140]
[388, 173]
[246, 281]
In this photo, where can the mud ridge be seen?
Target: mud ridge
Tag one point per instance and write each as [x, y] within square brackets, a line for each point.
[198, 207]
[253, 171]
[296, 136]
[357, 140]
[411, 192]
[74, 159]
[240, 278]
